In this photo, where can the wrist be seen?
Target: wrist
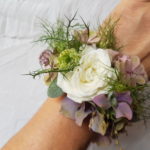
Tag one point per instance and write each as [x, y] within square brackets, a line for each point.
[66, 131]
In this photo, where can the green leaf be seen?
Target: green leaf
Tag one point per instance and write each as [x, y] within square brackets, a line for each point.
[53, 90]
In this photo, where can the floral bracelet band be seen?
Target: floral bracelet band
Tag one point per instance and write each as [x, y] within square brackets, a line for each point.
[101, 83]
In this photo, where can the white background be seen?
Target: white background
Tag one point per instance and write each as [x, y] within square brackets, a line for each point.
[21, 96]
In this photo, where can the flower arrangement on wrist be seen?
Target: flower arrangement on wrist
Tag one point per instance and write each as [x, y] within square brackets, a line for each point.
[100, 82]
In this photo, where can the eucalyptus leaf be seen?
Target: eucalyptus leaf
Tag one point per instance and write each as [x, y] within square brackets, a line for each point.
[53, 90]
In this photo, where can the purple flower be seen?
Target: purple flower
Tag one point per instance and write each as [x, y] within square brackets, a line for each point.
[124, 110]
[69, 108]
[124, 97]
[132, 70]
[101, 101]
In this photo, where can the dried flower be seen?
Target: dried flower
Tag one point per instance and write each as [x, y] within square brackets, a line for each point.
[47, 59]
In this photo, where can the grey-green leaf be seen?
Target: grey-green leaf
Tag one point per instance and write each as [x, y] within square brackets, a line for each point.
[53, 90]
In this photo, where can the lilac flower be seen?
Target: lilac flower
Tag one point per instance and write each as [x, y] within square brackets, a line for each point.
[132, 70]
[124, 97]
[124, 110]
[69, 108]
[101, 101]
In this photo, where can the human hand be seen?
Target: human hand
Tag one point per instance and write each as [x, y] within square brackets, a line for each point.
[133, 29]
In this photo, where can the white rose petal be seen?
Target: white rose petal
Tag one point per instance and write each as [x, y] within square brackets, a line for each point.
[88, 79]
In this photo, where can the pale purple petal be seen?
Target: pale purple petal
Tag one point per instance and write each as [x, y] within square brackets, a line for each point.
[124, 110]
[81, 114]
[69, 108]
[124, 97]
[98, 124]
[101, 101]
[132, 70]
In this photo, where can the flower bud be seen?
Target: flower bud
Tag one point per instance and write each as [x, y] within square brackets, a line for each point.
[44, 58]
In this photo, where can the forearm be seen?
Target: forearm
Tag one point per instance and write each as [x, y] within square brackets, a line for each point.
[49, 130]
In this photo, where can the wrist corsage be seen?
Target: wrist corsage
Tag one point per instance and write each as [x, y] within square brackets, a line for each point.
[100, 82]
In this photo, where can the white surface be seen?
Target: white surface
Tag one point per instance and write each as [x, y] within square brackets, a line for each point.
[21, 96]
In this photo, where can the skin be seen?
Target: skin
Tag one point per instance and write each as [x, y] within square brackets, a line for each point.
[133, 30]
[48, 129]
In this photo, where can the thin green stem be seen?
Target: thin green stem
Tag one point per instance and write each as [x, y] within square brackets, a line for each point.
[36, 73]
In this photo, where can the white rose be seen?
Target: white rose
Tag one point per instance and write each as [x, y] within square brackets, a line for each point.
[88, 79]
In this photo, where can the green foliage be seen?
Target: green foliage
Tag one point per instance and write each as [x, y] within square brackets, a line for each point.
[108, 39]
[59, 36]
[116, 84]
[54, 36]
[53, 90]
[139, 101]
